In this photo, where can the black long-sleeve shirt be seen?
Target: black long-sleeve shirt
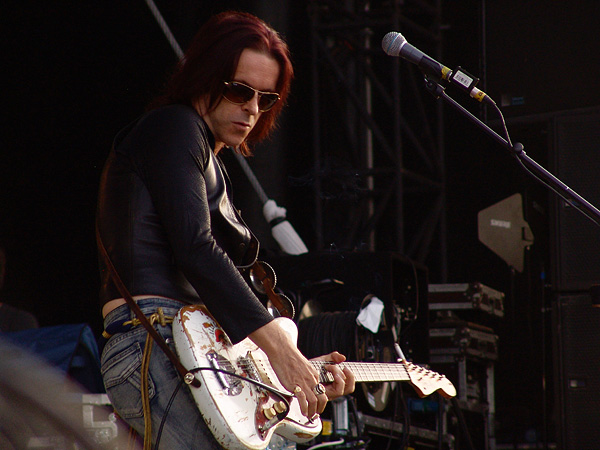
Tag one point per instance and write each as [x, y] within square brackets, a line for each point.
[166, 219]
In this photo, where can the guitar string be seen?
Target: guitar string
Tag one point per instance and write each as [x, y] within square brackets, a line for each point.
[377, 368]
[373, 372]
[380, 371]
[388, 369]
[424, 373]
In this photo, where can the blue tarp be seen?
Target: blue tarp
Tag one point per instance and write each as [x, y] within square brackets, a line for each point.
[70, 348]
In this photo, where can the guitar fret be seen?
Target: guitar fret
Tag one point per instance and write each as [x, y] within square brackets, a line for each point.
[371, 372]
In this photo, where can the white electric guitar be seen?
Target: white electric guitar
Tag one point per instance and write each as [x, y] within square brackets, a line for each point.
[244, 415]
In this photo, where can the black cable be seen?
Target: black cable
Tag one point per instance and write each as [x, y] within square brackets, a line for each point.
[166, 413]
[399, 398]
[392, 422]
[283, 396]
[503, 122]
[271, 389]
[407, 423]
[463, 422]
[440, 419]
[359, 435]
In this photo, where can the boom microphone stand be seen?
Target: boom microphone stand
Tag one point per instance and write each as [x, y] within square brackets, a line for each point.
[531, 166]
[518, 150]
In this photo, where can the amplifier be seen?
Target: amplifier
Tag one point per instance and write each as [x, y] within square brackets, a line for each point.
[466, 296]
[460, 339]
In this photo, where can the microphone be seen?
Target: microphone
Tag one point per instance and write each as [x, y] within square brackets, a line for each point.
[394, 44]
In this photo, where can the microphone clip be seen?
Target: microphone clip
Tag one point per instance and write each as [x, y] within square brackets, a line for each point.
[468, 83]
[463, 79]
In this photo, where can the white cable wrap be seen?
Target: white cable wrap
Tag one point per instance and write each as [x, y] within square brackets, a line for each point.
[283, 232]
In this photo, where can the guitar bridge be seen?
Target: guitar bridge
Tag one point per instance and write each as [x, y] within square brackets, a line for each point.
[259, 369]
[232, 385]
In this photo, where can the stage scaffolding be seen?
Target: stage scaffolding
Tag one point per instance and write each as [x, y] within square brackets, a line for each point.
[377, 132]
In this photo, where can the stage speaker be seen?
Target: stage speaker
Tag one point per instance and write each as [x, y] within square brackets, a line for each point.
[576, 247]
[577, 368]
[536, 54]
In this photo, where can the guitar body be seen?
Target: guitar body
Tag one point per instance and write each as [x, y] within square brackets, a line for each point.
[243, 415]
[232, 408]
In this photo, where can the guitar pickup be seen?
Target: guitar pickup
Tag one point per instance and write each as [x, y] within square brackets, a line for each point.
[232, 385]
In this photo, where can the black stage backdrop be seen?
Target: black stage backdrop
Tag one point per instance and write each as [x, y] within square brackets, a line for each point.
[77, 71]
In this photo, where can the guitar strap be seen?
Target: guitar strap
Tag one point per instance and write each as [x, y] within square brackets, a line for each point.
[275, 298]
[186, 375]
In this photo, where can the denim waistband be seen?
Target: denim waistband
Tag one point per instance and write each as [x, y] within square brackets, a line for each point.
[114, 320]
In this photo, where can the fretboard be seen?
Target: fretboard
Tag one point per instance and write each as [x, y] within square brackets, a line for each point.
[365, 372]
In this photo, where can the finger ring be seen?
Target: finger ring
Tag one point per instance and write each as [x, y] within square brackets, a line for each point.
[297, 390]
[319, 389]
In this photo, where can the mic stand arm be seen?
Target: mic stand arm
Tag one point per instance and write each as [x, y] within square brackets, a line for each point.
[560, 188]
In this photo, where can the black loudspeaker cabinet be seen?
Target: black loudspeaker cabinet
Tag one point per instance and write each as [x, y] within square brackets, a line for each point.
[536, 54]
[576, 249]
[341, 280]
[577, 371]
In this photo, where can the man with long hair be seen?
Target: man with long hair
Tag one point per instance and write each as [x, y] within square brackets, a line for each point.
[167, 222]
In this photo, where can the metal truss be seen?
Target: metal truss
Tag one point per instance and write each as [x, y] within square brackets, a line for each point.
[377, 132]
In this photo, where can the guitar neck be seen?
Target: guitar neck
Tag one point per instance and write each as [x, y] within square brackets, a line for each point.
[365, 372]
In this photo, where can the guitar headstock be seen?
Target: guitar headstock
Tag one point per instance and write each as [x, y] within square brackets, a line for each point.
[426, 381]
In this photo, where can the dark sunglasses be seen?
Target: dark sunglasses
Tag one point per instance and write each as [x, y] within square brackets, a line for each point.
[239, 93]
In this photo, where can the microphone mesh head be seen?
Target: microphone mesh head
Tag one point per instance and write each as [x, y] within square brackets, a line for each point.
[392, 43]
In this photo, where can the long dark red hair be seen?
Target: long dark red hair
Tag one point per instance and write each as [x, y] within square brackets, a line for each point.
[212, 58]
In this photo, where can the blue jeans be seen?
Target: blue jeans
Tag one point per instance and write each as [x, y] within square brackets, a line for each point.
[184, 427]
